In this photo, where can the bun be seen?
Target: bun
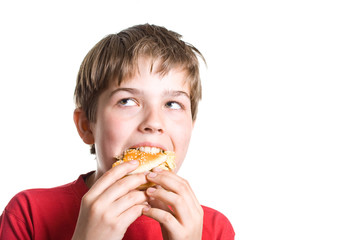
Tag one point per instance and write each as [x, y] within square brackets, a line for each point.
[147, 161]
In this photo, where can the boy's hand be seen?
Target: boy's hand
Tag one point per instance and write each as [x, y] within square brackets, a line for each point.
[111, 204]
[185, 218]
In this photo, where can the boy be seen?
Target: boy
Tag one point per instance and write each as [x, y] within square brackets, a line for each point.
[137, 88]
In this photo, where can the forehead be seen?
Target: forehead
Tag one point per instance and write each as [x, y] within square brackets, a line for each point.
[149, 72]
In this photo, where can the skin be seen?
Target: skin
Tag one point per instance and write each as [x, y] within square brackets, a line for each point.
[146, 110]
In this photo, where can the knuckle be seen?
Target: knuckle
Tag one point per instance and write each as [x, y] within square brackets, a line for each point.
[120, 183]
[137, 210]
[117, 225]
[178, 201]
[108, 219]
[185, 182]
[131, 197]
[168, 218]
[86, 200]
[183, 187]
[135, 197]
[95, 208]
[138, 178]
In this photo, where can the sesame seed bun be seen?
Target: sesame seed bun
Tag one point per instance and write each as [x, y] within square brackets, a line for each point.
[147, 161]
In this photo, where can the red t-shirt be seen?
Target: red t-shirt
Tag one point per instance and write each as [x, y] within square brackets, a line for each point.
[52, 214]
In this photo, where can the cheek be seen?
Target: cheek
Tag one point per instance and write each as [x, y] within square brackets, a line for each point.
[109, 136]
[182, 140]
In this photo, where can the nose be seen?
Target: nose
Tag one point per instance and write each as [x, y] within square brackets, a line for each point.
[152, 122]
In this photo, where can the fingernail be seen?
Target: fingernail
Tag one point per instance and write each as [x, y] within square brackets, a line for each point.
[151, 190]
[134, 162]
[152, 174]
[157, 169]
[146, 208]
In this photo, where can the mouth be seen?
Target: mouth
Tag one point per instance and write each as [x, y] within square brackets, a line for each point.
[145, 149]
[151, 150]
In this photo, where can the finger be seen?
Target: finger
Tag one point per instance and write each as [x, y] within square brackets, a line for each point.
[169, 181]
[127, 201]
[126, 205]
[157, 203]
[172, 182]
[111, 176]
[165, 218]
[122, 187]
[180, 207]
[129, 216]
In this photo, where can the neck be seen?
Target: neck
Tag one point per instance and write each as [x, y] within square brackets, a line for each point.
[91, 179]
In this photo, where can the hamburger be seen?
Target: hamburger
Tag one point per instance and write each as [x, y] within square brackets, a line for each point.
[149, 158]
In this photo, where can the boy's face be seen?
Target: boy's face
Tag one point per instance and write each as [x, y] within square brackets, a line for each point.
[145, 110]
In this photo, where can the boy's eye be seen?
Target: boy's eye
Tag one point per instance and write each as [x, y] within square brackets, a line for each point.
[173, 105]
[128, 102]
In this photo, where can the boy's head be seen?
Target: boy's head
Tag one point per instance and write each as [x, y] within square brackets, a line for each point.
[117, 57]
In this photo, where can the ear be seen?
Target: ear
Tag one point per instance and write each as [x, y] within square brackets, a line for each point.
[83, 126]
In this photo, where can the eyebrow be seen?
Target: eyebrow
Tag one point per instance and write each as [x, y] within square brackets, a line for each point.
[171, 93]
[176, 93]
[130, 90]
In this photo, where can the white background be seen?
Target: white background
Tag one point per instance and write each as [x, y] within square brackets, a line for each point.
[276, 144]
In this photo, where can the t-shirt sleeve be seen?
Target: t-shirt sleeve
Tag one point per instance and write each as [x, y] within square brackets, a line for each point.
[11, 227]
[228, 232]
[217, 226]
[225, 230]
[14, 221]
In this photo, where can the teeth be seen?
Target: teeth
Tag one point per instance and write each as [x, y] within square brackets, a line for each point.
[152, 150]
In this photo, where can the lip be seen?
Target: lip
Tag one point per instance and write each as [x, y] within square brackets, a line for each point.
[149, 144]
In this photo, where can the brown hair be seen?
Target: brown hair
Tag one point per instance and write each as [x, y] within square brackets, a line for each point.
[115, 58]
